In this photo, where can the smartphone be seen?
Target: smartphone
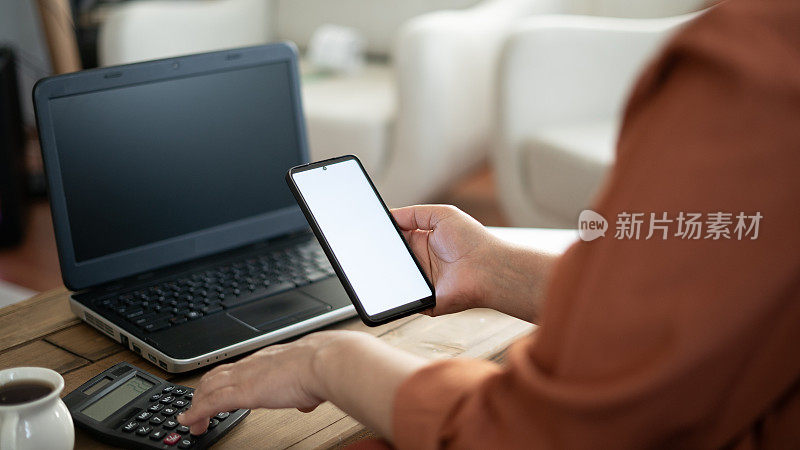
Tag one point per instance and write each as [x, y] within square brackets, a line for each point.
[361, 239]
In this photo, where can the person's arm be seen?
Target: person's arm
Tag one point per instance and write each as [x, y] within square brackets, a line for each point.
[356, 371]
[669, 341]
[470, 267]
[517, 280]
[359, 373]
[644, 343]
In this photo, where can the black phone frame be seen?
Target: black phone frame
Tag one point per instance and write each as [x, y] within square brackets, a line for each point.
[388, 315]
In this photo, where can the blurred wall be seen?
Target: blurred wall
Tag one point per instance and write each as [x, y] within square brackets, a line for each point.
[20, 29]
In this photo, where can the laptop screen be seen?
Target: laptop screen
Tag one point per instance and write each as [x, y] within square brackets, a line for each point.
[152, 161]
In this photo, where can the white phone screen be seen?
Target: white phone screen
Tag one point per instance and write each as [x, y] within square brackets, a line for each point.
[353, 221]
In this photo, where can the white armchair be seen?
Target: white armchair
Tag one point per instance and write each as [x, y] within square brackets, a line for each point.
[418, 117]
[445, 66]
[563, 81]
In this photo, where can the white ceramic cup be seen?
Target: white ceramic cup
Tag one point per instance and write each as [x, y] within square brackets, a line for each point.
[38, 424]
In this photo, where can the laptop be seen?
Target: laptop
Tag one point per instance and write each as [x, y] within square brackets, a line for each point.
[174, 226]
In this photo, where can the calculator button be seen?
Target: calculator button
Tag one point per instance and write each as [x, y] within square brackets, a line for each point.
[144, 430]
[182, 429]
[169, 411]
[223, 415]
[212, 423]
[157, 435]
[180, 391]
[167, 400]
[144, 415]
[168, 389]
[156, 420]
[155, 397]
[185, 443]
[130, 426]
[170, 424]
[189, 395]
[172, 438]
[155, 408]
[180, 403]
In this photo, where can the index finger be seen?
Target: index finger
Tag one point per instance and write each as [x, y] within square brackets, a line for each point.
[421, 217]
[225, 398]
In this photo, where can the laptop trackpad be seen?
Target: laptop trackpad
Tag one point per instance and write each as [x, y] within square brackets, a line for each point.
[278, 311]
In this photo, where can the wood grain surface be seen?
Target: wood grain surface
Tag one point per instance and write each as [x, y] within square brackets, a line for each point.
[42, 331]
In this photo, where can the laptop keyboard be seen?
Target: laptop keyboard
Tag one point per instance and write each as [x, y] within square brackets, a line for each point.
[209, 291]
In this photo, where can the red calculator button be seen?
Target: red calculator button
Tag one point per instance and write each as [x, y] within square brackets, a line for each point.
[172, 438]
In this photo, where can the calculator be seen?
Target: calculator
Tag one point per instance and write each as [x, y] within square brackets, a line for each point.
[128, 407]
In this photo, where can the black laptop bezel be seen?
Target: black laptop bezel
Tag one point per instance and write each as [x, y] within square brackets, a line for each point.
[108, 268]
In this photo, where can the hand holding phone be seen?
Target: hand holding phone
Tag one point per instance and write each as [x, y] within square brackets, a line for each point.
[361, 239]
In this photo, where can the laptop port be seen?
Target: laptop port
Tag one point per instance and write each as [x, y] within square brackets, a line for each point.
[152, 358]
[136, 348]
[163, 365]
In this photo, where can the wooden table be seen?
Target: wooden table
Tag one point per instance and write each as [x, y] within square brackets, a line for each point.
[42, 331]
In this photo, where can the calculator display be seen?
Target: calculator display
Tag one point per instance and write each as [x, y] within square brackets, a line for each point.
[117, 398]
[97, 387]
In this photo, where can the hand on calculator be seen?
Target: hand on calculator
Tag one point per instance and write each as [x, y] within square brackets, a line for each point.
[278, 376]
[128, 407]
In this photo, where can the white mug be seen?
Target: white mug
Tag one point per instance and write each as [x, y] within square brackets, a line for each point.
[41, 423]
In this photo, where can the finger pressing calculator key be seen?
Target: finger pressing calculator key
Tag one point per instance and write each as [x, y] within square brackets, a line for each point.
[128, 407]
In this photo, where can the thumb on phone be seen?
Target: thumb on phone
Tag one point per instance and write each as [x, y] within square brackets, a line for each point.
[422, 217]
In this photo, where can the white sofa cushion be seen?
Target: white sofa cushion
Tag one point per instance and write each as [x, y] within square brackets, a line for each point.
[564, 166]
[639, 9]
[377, 20]
[144, 30]
[351, 114]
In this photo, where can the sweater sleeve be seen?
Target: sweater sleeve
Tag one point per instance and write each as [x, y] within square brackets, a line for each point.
[668, 341]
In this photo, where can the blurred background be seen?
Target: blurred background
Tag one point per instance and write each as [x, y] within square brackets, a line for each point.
[508, 109]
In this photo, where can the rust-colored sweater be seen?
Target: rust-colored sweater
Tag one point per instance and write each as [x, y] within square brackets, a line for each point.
[663, 343]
